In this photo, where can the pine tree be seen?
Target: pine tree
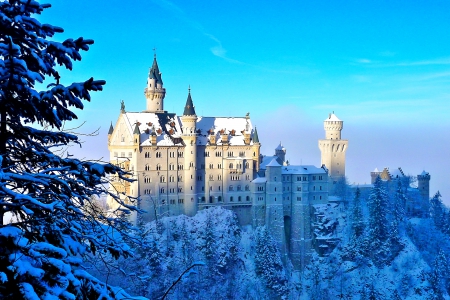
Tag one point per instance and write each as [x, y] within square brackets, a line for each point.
[268, 262]
[358, 226]
[437, 210]
[399, 203]
[54, 220]
[378, 222]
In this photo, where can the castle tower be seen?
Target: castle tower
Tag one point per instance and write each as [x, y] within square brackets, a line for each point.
[154, 92]
[189, 120]
[423, 185]
[280, 152]
[373, 175]
[274, 204]
[256, 151]
[333, 148]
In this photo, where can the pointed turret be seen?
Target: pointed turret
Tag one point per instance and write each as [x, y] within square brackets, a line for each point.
[154, 72]
[189, 109]
[110, 132]
[136, 129]
[255, 136]
[136, 134]
[111, 129]
[155, 92]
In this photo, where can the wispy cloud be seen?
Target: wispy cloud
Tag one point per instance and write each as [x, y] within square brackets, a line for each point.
[363, 61]
[437, 61]
[217, 50]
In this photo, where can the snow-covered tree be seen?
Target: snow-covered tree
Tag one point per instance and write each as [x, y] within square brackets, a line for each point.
[399, 203]
[268, 262]
[358, 224]
[49, 197]
[378, 222]
[437, 210]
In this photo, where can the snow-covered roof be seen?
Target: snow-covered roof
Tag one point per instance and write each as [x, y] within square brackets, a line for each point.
[396, 173]
[273, 163]
[280, 147]
[332, 117]
[302, 169]
[260, 180]
[167, 127]
[376, 170]
[225, 125]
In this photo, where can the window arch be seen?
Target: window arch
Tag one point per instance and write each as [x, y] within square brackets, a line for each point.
[147, 167]
[158, 167]
[247, 188]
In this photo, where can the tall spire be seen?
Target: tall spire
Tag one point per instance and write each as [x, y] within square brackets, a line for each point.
[255, 136]
[189, 109]
[111, 129]
[154, 71]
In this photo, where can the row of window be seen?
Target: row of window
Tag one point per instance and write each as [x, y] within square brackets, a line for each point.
[122, 154]
[238, 188]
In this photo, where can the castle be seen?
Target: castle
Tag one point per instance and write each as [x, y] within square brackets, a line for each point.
[186, 163]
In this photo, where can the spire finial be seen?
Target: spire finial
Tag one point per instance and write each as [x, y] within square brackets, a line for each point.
[154, 52]
[189, 89]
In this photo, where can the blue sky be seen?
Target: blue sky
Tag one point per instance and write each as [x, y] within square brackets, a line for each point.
[382, 66]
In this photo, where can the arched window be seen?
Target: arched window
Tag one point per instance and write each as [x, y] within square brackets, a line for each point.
[239, 188]
[147, 167]
[247, 188]
[231, 165]
[247, 198]
[158, 167]
[219, 199]
[231, 199]
[162, 179]
[211, 199]
[239, 198]
[230, 188]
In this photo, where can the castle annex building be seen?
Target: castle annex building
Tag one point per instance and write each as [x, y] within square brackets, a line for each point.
[186, 163]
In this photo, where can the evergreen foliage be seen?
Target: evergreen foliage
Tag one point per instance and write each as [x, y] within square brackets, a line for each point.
[268, 263]
[49, 198]
[378, 223]
[437, 211]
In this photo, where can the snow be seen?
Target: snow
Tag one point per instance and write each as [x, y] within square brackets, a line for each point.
[163, 123]
[280, 147]
[333, 117]
[273, 163]
[302, 169]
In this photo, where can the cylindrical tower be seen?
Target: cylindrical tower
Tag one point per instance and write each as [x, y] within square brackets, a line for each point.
[189, 120]
[155, 92]
[333, 148]
[333, 127]
[423, 184]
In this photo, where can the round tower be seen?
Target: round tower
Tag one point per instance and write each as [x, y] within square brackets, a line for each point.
[333, 127]
[333, 148]
[155, 92]
[423, 185]
[280, 152]
[189, 136]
